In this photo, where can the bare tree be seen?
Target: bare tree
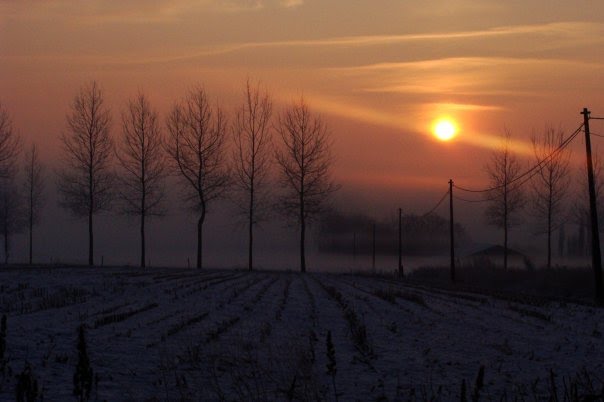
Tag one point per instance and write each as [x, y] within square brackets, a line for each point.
[506, 198]
[33, 191]
[10, 145]
[251, 158]
[142, 164]
[196, 145]
[550, 184]
[304, 159]
[85, 179]
[11, 213]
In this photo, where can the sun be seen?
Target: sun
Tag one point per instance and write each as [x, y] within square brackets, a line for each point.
[444, 129]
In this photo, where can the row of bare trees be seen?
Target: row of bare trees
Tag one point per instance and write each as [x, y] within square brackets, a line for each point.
[21, 197]
[211, 158]
[547, 196]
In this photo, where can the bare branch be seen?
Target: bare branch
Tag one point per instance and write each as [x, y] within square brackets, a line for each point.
[86, 179]
[251, 157]
[142, 162]
[196, 149]
[507, 199]
[304, 159]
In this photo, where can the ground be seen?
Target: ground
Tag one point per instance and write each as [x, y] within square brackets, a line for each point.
[180, 334]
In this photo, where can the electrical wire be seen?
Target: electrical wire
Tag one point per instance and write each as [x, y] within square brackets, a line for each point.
[474, 201]
[530, 172]
[437, 204]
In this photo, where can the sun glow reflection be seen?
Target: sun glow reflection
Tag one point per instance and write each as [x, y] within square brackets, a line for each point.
[444, 129]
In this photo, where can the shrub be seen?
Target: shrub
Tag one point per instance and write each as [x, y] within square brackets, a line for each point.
[2, 339]
[332, 368]
[82, 378]
[27, 385]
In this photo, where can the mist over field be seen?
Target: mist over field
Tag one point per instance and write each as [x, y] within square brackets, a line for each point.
[301, 200]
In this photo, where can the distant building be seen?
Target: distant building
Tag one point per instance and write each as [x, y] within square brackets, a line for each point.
[492, 256]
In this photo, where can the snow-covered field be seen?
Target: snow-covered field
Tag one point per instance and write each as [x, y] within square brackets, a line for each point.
[171, 334]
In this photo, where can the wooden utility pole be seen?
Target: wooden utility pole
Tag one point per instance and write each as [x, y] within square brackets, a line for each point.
[373, 247]
[400, 243]
[596, 257]
[451, 230]
[354, 246]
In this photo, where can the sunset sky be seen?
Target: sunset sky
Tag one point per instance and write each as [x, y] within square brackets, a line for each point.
[379, 72]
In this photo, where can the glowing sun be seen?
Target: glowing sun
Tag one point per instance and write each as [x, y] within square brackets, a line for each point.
[444, 129]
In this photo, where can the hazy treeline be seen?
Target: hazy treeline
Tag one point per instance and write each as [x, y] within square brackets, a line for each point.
[423, 235]
[272, 166]
[263, 161]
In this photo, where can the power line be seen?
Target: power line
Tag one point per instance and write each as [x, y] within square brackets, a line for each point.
[474, 201]
[530, 172]
[437, 204]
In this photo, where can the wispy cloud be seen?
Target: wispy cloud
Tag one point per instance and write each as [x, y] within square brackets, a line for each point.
[251, 5]
[291, 3]
[574, 29]
[420, 123]
[464, 107]
[132, 11]
[553, 33]
[466, 76]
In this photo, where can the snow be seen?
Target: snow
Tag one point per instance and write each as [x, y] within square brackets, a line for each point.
[166, 334]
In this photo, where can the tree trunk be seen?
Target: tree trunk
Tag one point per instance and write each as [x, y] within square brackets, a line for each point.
[90, 240]
[31, 219]
[505, 225]
[6, 248]
[302, 234]
[561, 240]
[505, 248]
[143, 240]
[302, 242]
[251, 230]
[199, 240]
[549, 237]
[31, 239]
[549, 223]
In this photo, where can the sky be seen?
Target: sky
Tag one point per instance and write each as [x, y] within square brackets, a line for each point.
[378, 72]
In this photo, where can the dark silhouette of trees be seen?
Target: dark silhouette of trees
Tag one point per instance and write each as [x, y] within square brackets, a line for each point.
[196, 146]
[304, 160]
[506, 199]
[550, 184]
[85, 179]
[11, 213]
[425, 235]
[142, 163]
[10, 145]
[252, 157]
[33, 193]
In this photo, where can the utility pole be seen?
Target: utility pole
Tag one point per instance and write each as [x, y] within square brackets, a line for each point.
[451, 230]
[354, 246]
[400, 243]
[373, 247]
[596, 257]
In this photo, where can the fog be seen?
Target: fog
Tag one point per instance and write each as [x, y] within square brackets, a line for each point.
[61, 238]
